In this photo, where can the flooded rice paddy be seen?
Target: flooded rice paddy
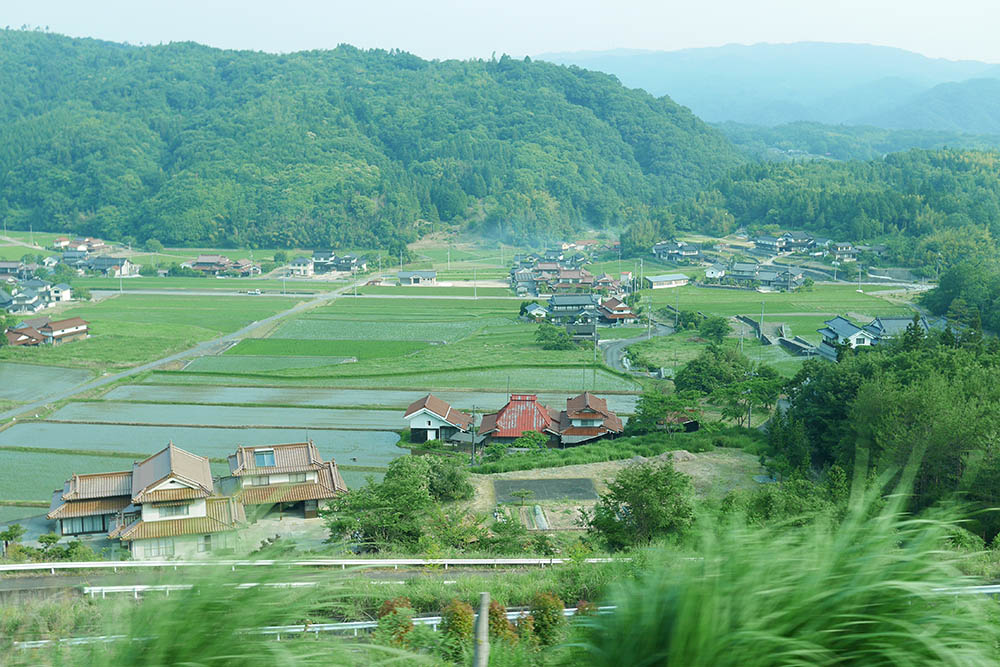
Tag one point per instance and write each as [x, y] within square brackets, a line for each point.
[26, 382]
[394, 399]
[360, 448]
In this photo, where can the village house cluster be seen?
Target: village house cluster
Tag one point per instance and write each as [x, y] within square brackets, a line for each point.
[170, 505]
[586, 418]
[556, 271]
[326, 261]
[805, 243]
[840, 331]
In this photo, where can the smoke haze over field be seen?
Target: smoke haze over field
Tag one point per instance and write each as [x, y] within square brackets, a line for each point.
[961, 29]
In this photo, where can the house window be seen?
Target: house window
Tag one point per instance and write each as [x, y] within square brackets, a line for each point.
[173, 510]
[264, 459]
[297, 477]
[205, 544]
[160, 547]
[257, 480]
[84, 524]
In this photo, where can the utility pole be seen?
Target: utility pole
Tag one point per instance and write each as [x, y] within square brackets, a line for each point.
[482, 656]
[761, 323]
[400, 260]
[473, 430]
[475, 292]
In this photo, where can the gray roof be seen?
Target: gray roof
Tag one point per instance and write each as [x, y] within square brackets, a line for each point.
[417, 274]
[63, 286]
[666, 277]
[745, 267]
[841, 327]
[766, 239]
[573, 300]
[302, 260]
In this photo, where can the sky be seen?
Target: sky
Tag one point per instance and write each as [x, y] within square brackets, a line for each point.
[953, 29]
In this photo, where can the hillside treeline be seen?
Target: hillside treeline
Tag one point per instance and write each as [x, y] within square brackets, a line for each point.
[931, 208]
[194, 145]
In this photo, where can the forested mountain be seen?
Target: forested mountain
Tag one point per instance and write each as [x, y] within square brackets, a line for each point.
[770, 84]
[932, 208]
[968, 106]
[194, 145]
[805, 140]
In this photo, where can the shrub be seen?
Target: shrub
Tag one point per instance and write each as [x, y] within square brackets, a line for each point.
[547, 612]
[500, 626]
[393, 628]
[392, 605]
[457, 623]
[526, 633]
[584, 608]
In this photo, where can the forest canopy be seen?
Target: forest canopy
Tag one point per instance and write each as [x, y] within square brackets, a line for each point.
[195, 145]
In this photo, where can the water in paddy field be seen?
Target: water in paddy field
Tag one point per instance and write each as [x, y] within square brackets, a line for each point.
[396, 399]
[26, 382]
[215, 415]
[360, 448]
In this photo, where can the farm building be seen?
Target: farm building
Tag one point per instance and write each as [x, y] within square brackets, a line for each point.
[666, 280]
[522, 413]
[302, 266]
[586, 418]
[169, 505]
[615, 311]
[292, 476]
[430, 418]
[841, 330]
[417, 277]
[42, 330]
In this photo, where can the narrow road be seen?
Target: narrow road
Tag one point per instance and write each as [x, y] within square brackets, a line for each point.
[207, 347]
[614, 352]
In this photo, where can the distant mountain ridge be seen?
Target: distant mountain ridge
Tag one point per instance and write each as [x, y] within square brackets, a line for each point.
[771, 84]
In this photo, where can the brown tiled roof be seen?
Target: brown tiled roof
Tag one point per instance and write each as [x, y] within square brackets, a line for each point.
[24, 336]
[98, 485]
[443, 410]
[61, 509]
[167, 495]
[65, 324]
[328, 485]
[587, 404]
[172, 462]
[224, 514]
[292, 457]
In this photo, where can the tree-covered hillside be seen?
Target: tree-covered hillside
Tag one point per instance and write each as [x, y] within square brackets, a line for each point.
[932, 208]
[804, 140]
[194, 145]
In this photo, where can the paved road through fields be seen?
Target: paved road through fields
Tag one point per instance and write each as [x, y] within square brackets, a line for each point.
[614, 352]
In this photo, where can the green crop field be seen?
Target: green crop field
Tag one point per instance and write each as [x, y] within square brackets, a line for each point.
[831, 299]
[273, 286]
[310, 328]
[13, 253]
[258, 364]
[320, 349]
[131, 329]
[414, 290]
[420, 310]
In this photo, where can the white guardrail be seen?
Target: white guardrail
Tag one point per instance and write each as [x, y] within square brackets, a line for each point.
[394, 563]
[278, 630]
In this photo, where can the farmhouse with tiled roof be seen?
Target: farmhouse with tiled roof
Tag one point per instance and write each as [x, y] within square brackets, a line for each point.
[431, 418]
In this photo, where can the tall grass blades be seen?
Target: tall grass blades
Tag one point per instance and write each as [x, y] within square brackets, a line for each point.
[865, 592]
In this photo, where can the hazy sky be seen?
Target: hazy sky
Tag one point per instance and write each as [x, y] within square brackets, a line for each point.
[954, 29]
